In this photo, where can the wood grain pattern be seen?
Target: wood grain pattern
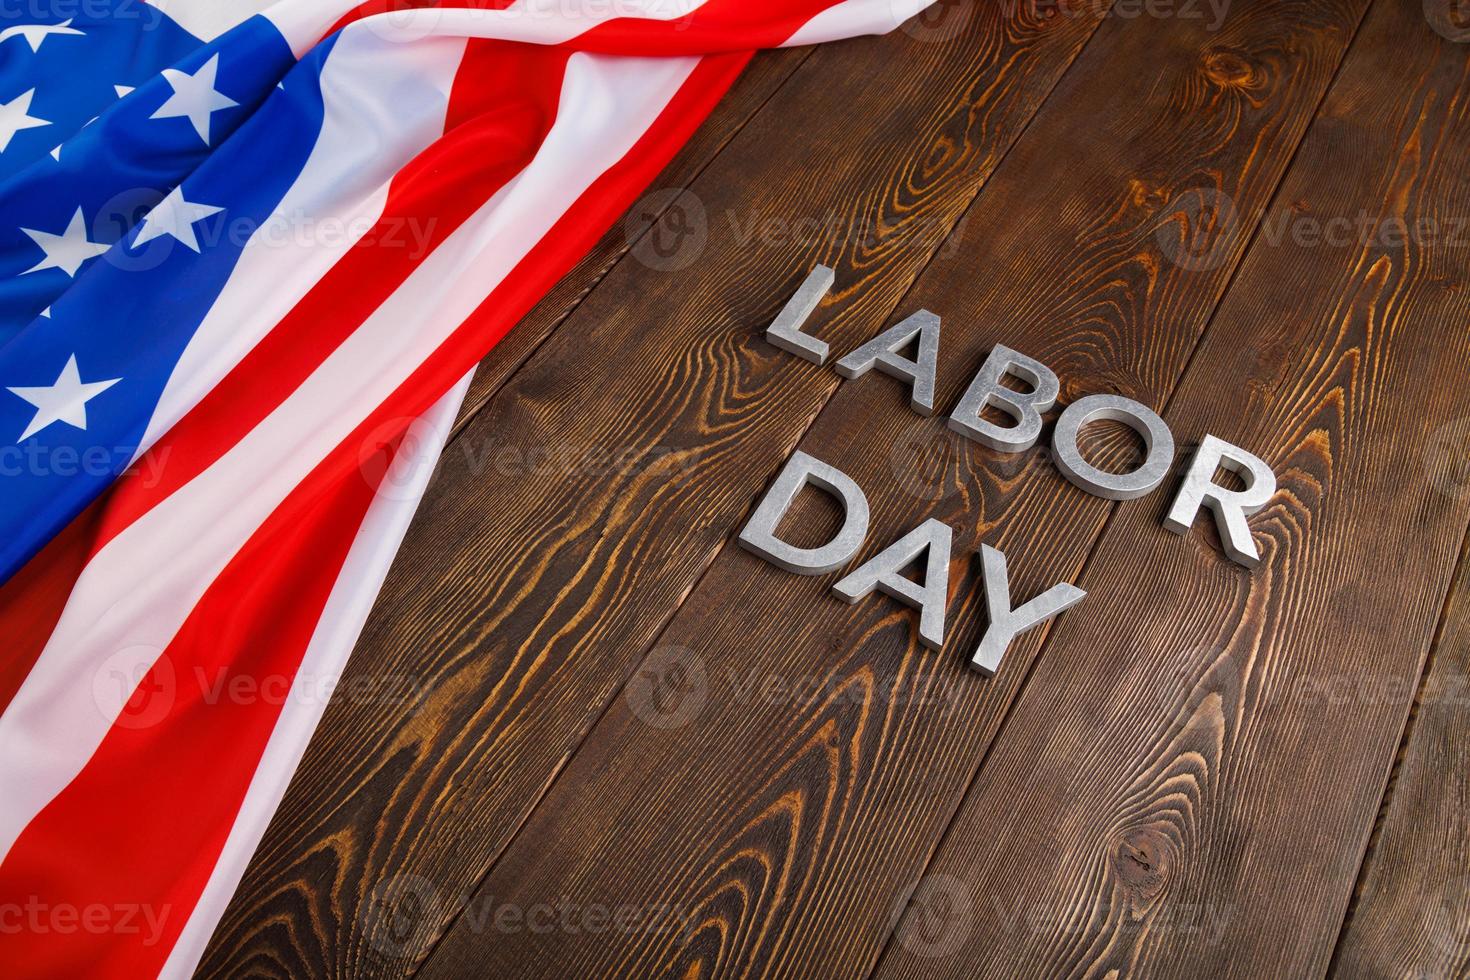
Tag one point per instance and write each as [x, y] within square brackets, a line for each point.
[1411, 917]
[1172, 796]
[531, 585]
[779, 828]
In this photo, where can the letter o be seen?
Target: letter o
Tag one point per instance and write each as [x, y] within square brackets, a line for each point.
[1158, 443]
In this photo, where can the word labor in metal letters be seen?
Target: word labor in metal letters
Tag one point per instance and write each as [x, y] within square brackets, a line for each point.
[927, 547]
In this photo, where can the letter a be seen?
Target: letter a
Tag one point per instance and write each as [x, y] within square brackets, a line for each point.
[931, 541]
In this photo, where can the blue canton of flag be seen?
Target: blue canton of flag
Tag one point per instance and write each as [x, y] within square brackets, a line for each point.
[136, 161]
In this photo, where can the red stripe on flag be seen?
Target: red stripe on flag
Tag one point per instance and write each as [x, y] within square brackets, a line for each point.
[32, 601]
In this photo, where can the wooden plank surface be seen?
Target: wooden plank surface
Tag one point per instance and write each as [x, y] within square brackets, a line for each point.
[594, 739]
[1411, 916]
[1169, 798]
[527, 592]
[828, 751]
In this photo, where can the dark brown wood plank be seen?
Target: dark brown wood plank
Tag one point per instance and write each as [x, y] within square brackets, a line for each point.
[782, 809]
[1171, 797]
[1411, 914]
[533, 581]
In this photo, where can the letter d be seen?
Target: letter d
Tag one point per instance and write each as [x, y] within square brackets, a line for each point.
[759, 534]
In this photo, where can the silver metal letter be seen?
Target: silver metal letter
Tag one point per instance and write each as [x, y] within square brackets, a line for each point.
[1025, 408]
[785, 330]
[1158, 444]
[1006, 623]
[759, 534]
[882, 352]
[1230, 507]
[931, 540]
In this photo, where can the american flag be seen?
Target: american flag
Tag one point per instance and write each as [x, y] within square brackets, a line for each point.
[249, 257]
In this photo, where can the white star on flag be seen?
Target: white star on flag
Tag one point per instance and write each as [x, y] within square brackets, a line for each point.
[195, 97]
[68, 250]
[36, 33]
[64, 401]
[15, 116]
[122, 90]
[175, 217]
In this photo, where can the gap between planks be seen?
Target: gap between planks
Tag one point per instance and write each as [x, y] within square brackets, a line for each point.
[1460, 580]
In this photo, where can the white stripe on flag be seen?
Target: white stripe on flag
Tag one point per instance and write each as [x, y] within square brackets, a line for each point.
[852, 18]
